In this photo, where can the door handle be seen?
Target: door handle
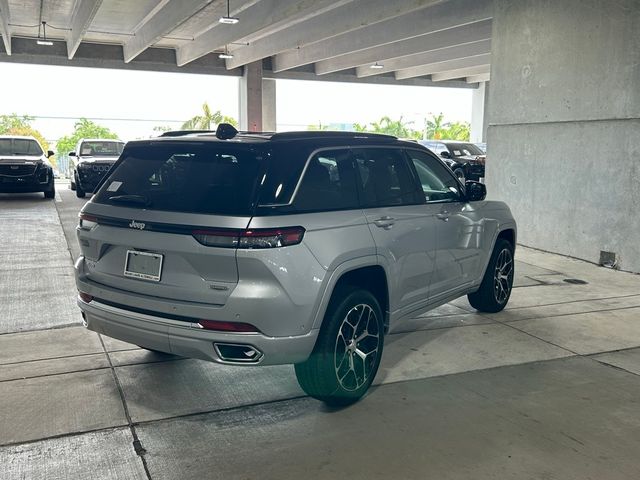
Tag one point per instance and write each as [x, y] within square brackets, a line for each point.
[444, 216]
[384, 222]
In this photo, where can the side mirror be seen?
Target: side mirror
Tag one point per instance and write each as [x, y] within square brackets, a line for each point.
[50, 154]
[72, 154]
[475, 191]
[445, 154]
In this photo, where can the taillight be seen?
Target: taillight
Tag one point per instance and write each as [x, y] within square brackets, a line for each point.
[249, 239]
[237, 327]
[87, 222]
[85, 297]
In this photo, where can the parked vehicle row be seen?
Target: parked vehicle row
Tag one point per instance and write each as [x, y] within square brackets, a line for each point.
[465, 159]
[299, 247]
[24, 166]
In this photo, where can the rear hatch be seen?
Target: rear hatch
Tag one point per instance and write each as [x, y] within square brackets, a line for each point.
[164, 223]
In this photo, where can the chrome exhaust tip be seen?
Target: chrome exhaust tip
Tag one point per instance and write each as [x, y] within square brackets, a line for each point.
[237, 353]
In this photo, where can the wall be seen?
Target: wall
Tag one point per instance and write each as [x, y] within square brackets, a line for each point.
[564, 124]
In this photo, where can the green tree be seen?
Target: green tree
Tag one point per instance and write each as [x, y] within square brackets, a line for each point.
[208, 120]
[434, 127]
[16, 125]
[83, 128]
[457, 131]
[318, 127]
[388, 126]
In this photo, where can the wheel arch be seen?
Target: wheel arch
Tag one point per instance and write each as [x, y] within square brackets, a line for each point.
[367, 275]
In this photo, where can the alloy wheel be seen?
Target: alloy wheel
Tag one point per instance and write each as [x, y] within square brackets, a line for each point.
[357, 347]
[503, 278]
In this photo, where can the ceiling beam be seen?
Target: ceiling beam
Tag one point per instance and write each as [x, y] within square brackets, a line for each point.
[83, 14]
[337, 21]
[446, 66]
[471, 32]
[407, 29]
[4, 25]
[460, 73]
[483, 77]
[269, 15]
[427, 58]
[171, 15]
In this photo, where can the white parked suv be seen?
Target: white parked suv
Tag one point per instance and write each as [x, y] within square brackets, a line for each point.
[298, 247]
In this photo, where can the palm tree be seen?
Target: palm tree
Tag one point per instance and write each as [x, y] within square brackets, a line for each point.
[435, 127]
[208, 120]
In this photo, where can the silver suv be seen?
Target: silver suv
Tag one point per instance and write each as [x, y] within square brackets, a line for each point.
[299, 247]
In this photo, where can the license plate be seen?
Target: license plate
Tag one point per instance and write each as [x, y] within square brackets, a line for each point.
[144, 265]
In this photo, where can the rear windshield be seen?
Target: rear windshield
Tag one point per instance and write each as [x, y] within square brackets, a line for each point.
[108, 149]
[19, 146]
[186, 177]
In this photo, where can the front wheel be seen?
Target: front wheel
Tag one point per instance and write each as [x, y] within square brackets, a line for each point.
[347, 354]
[51, 192]
[79, 191]
[495, 289]
[460, 174]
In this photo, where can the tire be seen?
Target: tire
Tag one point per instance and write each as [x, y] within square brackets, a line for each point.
[50, 193]
[497, 283]
[347, 354]
[460, 174]
[72, 184]
[79, 191]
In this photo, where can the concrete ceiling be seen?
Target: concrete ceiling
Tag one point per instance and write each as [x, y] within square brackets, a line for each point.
[444, 42]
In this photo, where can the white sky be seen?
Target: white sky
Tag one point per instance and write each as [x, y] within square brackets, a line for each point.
[170, 98]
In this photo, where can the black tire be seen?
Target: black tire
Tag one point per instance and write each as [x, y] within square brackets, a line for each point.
[497, 283]
[347, 345]
[80, 193]
[72, 184]
[50, 193]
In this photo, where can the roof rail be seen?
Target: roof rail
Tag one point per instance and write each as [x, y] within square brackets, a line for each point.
[181, 133]
[332, 134]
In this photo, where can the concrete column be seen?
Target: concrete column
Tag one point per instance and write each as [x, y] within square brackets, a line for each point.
[564, 130]
[257, 100]
[269, 105]
[251, 98]
[479, 123]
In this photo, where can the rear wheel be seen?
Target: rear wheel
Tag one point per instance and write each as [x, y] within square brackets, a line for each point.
[347, 354]
[460, 174]
[495, 289]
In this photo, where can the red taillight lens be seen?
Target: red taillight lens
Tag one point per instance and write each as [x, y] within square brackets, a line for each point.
[228, 326]
[85, 297]
[255, 238]
[87, 222]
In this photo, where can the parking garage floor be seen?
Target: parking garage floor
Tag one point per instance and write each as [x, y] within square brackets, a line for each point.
[548, 388]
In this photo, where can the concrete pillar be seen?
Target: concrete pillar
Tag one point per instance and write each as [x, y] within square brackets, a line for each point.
[269, 105]
[479, 103]
[564, 130]
[257, 100]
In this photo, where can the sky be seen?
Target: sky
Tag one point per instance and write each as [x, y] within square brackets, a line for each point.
[131, 103]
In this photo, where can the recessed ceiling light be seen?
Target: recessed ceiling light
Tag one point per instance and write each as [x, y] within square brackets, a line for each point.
[376, 66]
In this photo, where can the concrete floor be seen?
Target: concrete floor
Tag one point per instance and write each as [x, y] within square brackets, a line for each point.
[547, 389]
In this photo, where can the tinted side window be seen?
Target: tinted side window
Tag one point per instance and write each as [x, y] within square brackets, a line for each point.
[329, 183]
[385, 177]
[438, 183]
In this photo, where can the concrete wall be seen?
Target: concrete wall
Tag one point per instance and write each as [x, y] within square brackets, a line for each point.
[564, 124]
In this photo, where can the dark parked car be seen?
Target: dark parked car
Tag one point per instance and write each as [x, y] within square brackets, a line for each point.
[464, 158]
[90, 162]
[24, 167]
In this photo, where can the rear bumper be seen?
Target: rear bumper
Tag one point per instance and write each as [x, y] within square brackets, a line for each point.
[186, 339]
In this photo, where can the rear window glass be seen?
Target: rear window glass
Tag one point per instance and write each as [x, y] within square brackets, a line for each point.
[195, 178]
[19, 146]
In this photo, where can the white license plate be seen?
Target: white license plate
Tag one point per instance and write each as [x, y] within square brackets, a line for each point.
[144, 265]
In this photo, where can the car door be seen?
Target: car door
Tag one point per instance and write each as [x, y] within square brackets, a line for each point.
[459, 225]
[403, 231]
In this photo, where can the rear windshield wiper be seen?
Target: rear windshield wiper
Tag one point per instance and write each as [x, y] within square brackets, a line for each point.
[136, 199]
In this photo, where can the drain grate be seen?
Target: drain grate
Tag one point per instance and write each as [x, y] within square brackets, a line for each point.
[575, 281]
